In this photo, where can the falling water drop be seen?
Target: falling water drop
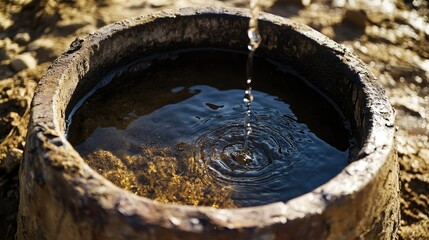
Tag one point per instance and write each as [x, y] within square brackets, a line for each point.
[254, 42]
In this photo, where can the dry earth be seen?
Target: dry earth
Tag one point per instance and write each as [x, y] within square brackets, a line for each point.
[390, 36]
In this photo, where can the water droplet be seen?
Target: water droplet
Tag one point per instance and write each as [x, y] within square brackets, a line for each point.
[248, 98]
[254, 37]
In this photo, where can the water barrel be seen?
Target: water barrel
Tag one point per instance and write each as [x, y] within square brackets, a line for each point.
[61, 197]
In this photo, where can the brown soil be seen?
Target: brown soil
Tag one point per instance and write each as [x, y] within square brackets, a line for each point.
[390, 36]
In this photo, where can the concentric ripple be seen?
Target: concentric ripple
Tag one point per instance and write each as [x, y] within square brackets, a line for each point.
[190, 112]
[278, 145]
[222, 148]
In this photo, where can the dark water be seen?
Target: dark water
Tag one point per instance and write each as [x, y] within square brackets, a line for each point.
[191, 103]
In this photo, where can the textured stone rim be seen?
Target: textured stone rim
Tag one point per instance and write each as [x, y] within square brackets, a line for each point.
[47, 124]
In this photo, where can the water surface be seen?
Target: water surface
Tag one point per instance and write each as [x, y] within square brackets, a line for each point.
[172, 130]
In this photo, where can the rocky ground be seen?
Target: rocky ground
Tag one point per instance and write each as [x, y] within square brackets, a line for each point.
[390, 36]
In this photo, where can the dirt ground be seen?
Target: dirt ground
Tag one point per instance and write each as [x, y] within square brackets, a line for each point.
[390, 36]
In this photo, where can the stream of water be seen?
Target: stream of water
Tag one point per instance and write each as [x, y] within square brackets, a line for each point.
[254, 42]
